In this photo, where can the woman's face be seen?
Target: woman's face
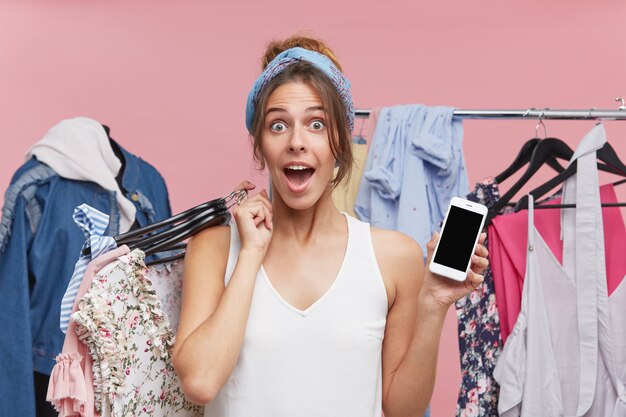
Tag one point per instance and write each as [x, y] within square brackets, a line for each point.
[295, 145]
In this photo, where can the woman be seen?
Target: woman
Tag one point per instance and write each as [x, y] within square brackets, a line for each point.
[320, 314]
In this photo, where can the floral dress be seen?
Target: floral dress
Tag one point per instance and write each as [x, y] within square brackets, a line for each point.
[129, 336]
[480, 343]
[167, 282]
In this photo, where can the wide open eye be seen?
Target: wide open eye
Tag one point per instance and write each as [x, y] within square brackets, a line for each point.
[317, 125]
[278, 127]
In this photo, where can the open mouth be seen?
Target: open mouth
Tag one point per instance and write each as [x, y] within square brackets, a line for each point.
[298, 175]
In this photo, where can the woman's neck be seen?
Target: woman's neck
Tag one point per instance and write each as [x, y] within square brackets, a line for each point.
[320, 219]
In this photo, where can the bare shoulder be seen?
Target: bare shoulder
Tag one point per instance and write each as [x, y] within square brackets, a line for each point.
[216, 238]
[207, 253]
[400, 259]
[396, 247]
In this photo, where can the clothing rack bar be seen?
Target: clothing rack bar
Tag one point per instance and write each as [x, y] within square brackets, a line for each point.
[544, 114]
[554, 206]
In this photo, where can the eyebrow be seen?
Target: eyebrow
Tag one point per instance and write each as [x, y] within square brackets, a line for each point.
[278, 109]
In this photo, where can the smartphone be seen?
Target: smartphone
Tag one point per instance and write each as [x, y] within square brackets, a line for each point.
[459, 235]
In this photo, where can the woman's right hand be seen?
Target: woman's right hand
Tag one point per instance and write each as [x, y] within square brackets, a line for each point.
[254, 220]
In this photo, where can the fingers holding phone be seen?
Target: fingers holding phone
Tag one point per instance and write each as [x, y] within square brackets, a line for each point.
[479, 258]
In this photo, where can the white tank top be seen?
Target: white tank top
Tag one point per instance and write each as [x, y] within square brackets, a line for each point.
[322, 361]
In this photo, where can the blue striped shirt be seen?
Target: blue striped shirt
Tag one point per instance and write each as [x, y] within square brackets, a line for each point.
[93, 224]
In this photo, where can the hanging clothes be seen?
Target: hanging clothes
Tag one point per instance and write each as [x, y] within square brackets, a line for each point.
[129, 336]
[507, 251]
[563, 355]
[71, 388]
[480, 343]
[39, 243]
[93, 223]
[345, 194]
[167, 282]
[79, 149]
[414, 167]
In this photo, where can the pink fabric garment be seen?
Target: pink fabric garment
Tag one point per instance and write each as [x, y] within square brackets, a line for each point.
[508, 235]
[71, 390]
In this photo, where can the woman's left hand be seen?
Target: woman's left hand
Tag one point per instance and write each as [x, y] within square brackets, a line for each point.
[444, 291]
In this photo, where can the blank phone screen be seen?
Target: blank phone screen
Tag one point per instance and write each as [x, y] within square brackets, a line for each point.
[456, 243]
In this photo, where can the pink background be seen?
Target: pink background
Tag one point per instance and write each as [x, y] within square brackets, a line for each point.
[171, 77]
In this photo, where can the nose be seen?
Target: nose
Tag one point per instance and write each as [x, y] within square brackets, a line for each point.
[297, 142]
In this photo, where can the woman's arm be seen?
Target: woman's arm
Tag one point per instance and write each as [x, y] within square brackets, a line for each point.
[415, 320]
[213, 317]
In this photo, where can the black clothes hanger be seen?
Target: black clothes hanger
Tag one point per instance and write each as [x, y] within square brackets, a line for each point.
[183, 226]
[149, 240]
[138, 234]
[175, 242]
[166, 259]
[547, 149]
[612, 164]
[217, 219]
[156, 232]
[522, 158]
[161, 260]
[186, 220]
[209, 206]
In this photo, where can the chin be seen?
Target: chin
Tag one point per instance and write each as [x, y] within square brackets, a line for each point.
[302, 201]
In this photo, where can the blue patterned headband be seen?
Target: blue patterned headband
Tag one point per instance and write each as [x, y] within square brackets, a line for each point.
[291, 56]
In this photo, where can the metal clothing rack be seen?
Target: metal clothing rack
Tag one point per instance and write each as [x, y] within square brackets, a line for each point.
[541, 114]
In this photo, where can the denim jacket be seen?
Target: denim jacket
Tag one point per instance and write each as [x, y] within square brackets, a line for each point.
[39, 245]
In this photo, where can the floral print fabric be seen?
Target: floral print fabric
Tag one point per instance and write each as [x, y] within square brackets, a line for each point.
[167, 281]
[480, 343]
[129, 336]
